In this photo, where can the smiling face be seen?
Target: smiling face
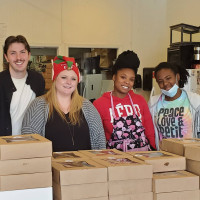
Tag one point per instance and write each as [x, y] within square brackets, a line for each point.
[166, 78]
[17, 57]
[123, 82]
[66, 82]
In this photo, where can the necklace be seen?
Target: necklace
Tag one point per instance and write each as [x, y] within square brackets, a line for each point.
[71, 132]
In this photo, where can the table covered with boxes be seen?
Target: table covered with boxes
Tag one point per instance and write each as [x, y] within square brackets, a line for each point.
[27, 163]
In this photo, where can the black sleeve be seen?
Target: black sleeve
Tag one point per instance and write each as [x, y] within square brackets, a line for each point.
[42, 85]
[36, 82]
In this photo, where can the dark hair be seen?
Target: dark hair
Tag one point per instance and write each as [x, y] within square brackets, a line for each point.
[16, 39]
[127, 59]
[177, 69]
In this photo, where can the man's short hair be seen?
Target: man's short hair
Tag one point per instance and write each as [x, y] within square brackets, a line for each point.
[16, 39]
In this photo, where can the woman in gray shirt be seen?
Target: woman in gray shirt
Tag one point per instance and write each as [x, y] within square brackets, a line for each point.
[62, 115]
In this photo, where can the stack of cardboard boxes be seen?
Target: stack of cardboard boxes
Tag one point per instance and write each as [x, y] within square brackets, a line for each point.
[47, 74]
[192, 154]
[188, 148]
[161, 161]
[115, 175]
[75, 176]
[128, 178]
[107, 56]
[25, 167]
[175, 185]
[169, 179]
[177, 146]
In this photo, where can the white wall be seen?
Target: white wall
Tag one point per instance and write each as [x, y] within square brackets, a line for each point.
[97, 23]
[125, 24]
[149, 34]
[183, 11]
[39, 21]
[151, 28]
[149, 31]
[65, 23]
[140, 25]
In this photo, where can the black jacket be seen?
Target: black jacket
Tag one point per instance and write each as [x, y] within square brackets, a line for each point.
[7, 87]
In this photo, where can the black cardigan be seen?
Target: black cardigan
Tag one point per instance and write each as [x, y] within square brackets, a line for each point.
[7, 87]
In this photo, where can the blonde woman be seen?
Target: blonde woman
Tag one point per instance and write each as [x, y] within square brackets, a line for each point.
[62, 115]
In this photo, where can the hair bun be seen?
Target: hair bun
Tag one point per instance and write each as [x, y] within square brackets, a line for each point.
[127, 59]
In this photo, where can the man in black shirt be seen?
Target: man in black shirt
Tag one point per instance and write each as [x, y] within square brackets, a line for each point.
[18, 86]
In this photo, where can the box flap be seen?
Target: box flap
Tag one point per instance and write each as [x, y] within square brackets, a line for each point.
[161, 160]
[68, 155]
[78, 172]
[126, 168]
[192, 152]
[103, 153]
[24, 146]
[177, 145]
[174, 181]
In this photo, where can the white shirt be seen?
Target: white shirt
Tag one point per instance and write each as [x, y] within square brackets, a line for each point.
[21, 99]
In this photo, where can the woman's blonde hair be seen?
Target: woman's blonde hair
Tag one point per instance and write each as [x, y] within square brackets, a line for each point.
[75, 105]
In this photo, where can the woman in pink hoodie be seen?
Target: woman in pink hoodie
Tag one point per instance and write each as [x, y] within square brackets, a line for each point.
[125, 115]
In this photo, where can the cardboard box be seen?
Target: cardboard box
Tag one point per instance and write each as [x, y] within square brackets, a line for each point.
[87, 191]
[28, 194]
[126, 168]
[97, 198]
[48, 70]
[192, 152]
[49, 58]
[48, 80]
[78, 172]
[48, 64]
[47, 75]
[68, 155]
[103, 153]
[183, 195]
[161, 161]
[175, 181]
[129, 186]
[106, 56]
[25, 166]
[193, 166]
[25, 181]
[48, 86]
[24, 146]
[139, 196]
[177, 146]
